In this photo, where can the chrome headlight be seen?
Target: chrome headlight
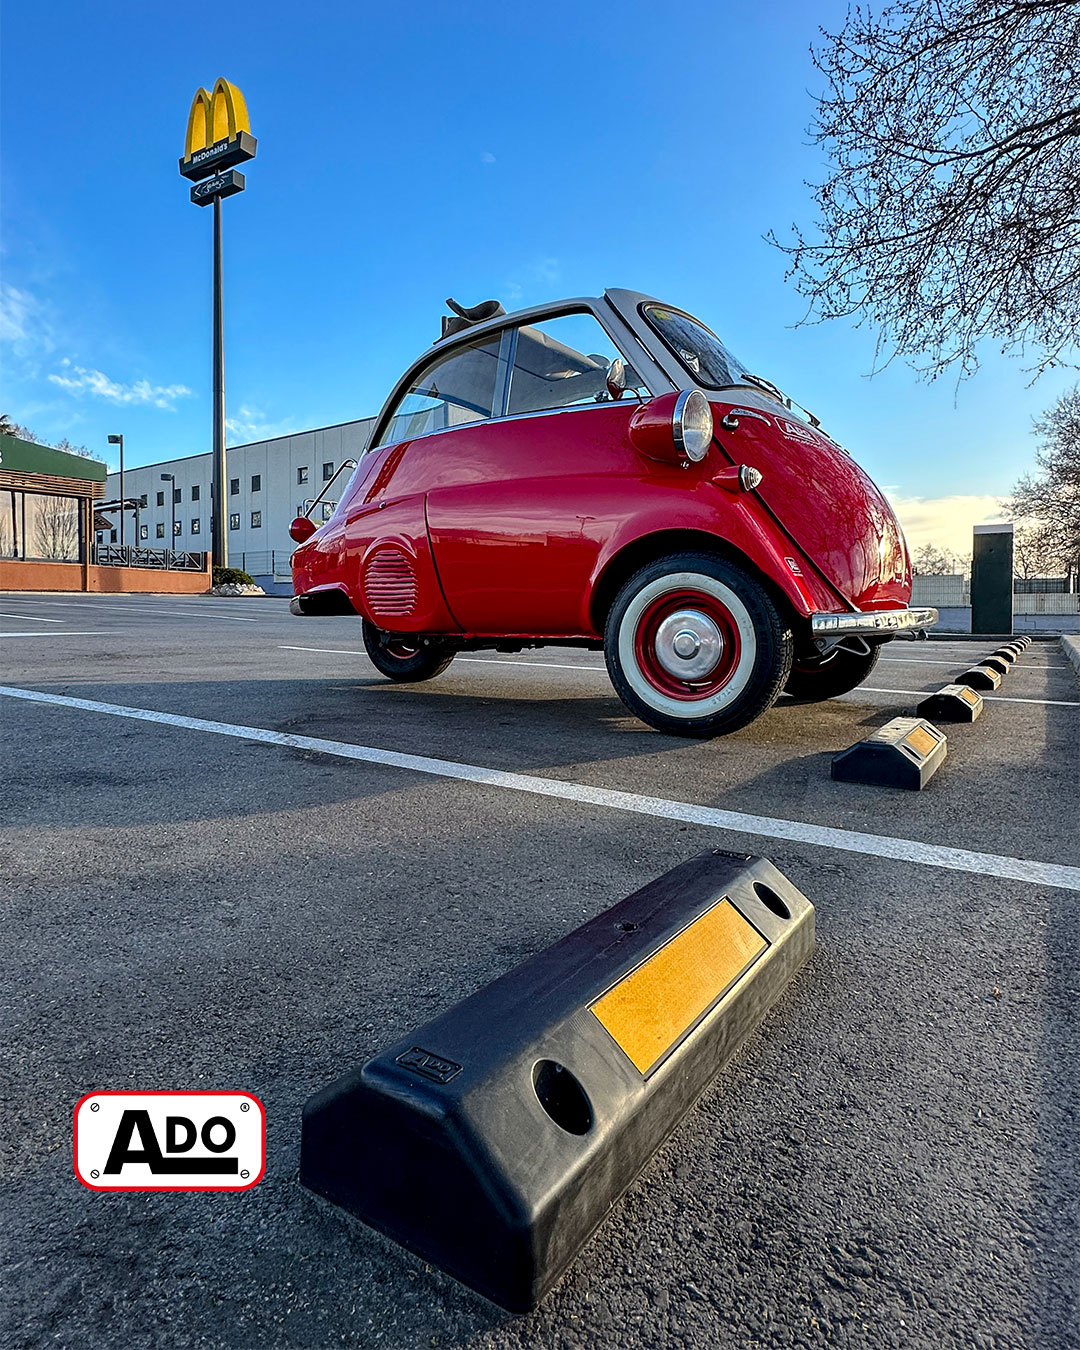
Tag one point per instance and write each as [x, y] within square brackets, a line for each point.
[692, 424]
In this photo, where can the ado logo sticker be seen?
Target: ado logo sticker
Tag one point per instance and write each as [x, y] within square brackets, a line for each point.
[170, 1141]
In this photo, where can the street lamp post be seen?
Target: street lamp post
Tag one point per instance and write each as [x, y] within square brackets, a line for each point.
[119, 440]
[170, 478]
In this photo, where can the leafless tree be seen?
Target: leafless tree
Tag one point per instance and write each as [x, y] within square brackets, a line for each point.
[951, 211]
[56, 527]
[931, 561]
[69, 448]
[1048, 502]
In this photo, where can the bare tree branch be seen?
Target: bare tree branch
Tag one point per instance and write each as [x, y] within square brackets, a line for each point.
[949, 215]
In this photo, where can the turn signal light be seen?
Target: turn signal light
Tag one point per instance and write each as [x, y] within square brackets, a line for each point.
[738, 478]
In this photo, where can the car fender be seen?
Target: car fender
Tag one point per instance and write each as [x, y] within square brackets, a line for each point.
[390, 572]
[739, 524]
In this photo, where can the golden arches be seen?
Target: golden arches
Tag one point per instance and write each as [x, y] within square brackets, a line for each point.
[219, 117]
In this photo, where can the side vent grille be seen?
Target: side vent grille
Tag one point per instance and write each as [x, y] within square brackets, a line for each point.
[390, 584]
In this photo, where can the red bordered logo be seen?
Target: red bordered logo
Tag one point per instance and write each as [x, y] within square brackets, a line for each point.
[170, 1141]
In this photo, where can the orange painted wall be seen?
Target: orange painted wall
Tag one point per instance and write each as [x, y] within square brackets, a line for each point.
[16, 575]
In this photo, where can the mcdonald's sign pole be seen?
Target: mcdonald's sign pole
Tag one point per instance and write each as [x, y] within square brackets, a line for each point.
[218, 137]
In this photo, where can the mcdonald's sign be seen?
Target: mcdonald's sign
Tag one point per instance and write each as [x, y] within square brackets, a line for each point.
[218, 132]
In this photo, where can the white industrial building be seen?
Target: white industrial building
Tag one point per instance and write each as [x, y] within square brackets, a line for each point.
[269, 482]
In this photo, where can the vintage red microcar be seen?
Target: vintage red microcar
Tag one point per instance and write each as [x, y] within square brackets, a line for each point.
[604, 473]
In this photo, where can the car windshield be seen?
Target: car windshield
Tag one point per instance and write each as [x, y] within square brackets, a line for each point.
[701, 352]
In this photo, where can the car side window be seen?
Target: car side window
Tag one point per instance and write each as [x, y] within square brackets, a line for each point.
[560, 363]
[458, 389]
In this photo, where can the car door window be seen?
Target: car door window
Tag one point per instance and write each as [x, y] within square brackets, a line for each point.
[560, 363]
[458, 389]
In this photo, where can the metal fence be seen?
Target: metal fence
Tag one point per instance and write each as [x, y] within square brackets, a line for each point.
[262, 562]
[131, 555]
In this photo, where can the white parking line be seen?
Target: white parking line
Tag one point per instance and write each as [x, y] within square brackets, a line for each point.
[68, 632]
[106, 607]
[602, 670]
[770, 827]
[28, 617]
[994, 698]
[930, 661]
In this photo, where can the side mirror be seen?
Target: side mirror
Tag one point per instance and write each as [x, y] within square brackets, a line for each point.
[302, 529]
[616, 379]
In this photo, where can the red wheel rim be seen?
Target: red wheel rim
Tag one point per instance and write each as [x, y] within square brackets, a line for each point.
[661, 679]
[400, 651]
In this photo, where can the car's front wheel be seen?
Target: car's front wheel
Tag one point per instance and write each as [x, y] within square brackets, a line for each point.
[817, 678]
[695, 646]
[404, 658]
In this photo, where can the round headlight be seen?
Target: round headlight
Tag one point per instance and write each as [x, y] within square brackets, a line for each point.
[692, 424]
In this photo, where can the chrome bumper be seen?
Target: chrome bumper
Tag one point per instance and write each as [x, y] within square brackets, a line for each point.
[883, 621]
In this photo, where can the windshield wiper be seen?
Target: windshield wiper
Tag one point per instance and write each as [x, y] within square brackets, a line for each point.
[777, 393]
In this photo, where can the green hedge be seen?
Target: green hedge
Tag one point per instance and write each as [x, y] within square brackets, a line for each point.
[231, 576]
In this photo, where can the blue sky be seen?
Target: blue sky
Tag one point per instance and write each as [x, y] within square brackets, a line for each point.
[411, 152]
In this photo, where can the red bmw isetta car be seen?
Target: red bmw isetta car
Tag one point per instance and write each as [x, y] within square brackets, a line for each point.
[604, 473]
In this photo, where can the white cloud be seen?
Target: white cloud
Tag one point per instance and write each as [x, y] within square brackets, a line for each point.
[85, 381]
[15, 310]
[944, 521]
[487, 158]
[249, 424]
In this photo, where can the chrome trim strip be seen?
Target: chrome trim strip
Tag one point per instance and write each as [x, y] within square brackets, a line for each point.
[881, 621]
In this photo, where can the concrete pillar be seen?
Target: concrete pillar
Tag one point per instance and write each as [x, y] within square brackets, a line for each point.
[992, 579]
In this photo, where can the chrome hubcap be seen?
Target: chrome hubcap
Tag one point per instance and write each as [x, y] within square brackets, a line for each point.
[688, 644]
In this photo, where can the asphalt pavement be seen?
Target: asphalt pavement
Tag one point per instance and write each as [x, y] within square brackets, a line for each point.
[892, 1159]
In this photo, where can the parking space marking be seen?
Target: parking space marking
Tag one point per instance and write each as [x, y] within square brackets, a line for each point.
[28, 617]
[602, 670]
[996, 698]
[68, 632]
[931, 661]
[771, 827]
[106, 607]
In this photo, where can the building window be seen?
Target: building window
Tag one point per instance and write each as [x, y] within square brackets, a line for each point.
[100, 535]
[112, 536]
[301, 475]
[177, 495]
[159, 528]
[234, 487]
[142, 501]
[161, 499]
[327, 472]
[35, 525]
[195, 527]
[328, 509]
[195, 493]
[256, 482]
[144, 532]
[256, 520]
[234, 521]
[176, 528]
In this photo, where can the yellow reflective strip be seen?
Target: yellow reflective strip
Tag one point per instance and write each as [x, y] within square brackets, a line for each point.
[921, 740]
[655, 1005]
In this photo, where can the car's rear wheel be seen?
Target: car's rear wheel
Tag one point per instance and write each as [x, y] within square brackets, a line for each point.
[818, 678]
[695, 646]
[402, 657]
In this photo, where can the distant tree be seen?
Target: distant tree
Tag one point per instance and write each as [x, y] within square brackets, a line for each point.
[70, 449]
[9, 427]
[1047, 503]
[56, 527]
[948, 216]
[1033, 552]
[931, 561]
